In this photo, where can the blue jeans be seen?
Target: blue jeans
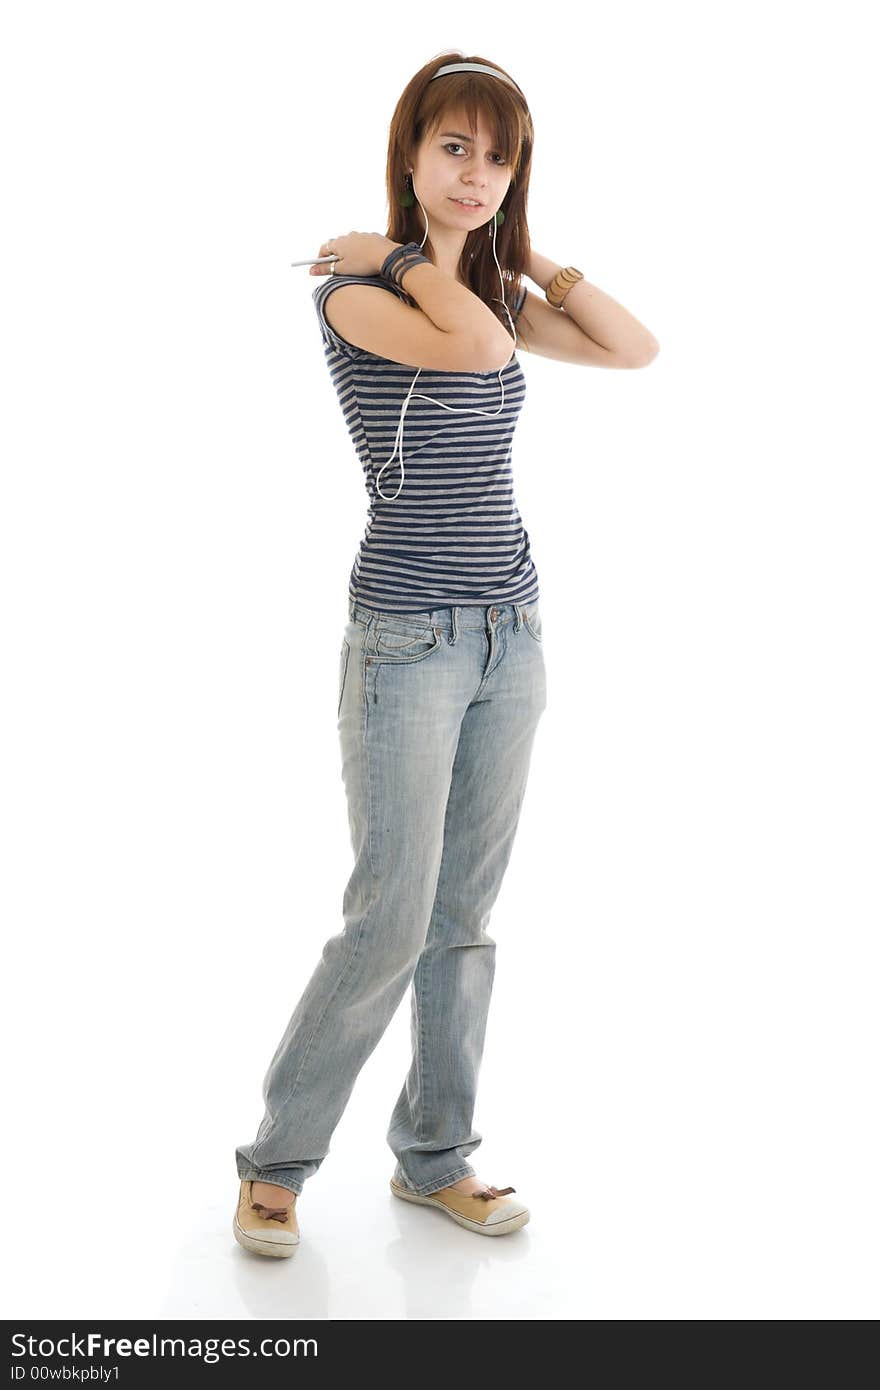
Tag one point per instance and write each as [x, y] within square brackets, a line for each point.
[437, 716]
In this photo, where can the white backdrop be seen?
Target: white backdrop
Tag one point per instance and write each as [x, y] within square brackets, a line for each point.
[679, 1075]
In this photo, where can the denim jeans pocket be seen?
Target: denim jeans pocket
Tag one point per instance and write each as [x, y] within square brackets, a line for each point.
[532, 620]
[398, 641]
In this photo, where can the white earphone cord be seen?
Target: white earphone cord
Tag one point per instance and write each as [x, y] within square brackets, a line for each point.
[456, 410]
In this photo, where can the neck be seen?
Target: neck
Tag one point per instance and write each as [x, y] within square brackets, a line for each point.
[447, 244]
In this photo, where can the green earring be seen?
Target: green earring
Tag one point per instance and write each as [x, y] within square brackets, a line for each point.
[499, 217]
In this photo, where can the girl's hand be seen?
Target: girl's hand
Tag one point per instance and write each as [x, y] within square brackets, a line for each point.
[361, 253]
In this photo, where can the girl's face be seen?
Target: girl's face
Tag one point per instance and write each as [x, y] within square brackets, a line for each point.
[456, 162]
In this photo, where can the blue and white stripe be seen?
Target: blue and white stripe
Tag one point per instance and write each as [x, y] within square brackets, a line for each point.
[453, 535]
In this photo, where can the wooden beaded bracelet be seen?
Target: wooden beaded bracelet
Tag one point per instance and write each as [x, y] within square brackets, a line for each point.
[561, 284]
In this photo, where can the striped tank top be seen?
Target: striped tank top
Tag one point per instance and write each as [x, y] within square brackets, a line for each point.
[453, 535]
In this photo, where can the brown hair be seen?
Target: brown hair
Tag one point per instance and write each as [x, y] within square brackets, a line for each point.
[418, 113]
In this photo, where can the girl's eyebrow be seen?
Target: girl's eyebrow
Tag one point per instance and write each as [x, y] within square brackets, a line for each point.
[457, 135]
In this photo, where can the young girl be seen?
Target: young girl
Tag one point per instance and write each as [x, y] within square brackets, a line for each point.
[441, 675]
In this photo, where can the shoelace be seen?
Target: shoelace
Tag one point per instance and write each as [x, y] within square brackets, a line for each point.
[272, 1213]
[491, 1192]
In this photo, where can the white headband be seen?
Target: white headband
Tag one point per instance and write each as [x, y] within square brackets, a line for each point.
[475, 67]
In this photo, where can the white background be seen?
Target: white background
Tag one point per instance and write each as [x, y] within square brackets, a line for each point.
[680, 1068]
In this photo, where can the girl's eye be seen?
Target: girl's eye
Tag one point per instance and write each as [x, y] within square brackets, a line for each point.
[453, 145]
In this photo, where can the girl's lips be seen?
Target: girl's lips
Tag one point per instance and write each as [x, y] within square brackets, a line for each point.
[467, 206]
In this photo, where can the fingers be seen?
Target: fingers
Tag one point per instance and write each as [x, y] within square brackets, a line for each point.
[323, 250]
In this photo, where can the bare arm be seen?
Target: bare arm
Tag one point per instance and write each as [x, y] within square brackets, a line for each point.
[452, 307]
[600, 318]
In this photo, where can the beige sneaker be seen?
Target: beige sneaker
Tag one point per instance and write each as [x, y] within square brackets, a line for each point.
[489, 1213]
[265, 1230]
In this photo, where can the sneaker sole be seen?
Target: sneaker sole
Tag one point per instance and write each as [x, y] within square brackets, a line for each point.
[279, 1249]
[498, 1228]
